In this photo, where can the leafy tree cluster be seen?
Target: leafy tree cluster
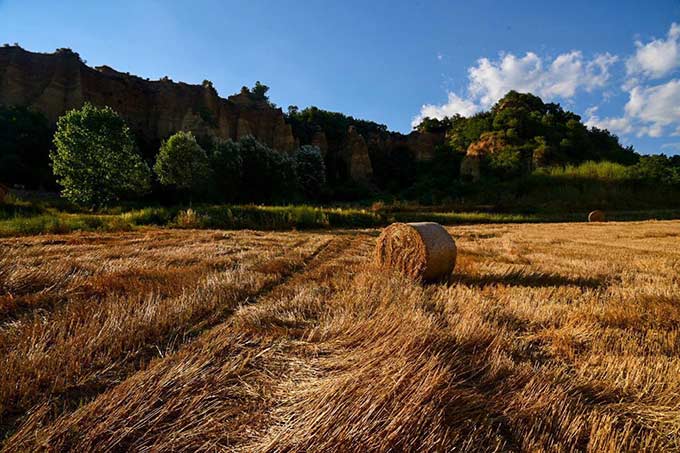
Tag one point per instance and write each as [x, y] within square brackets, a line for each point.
[311, 171]
[96, 162]
[543, 133]
[434, 125]
[657, 169]
[25, 139]
[243, 171]
[258, 92]
[394, 170]
[307, 122]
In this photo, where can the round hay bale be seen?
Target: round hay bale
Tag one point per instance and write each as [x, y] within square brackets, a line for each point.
[596, 216]
[423, 250]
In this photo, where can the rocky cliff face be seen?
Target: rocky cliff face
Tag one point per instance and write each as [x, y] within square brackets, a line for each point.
[55, 83]
[356, 151]
[488, 143]
[355, 154]
[421, 144]
[155, 109]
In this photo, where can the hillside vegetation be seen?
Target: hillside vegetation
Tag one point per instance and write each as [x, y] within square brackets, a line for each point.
[522, 155]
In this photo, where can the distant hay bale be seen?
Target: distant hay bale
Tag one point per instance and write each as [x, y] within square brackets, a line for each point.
[596, 216]
[423, 250]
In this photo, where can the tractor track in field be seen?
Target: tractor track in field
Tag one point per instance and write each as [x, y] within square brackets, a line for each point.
[241, 343]
[169, 344]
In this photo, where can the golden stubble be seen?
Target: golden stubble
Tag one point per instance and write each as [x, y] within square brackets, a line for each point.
[556, 337]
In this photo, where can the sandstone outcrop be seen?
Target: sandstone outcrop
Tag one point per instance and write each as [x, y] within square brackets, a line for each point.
[488, 143]
[355, 155]
[57, 82]
[320, 141]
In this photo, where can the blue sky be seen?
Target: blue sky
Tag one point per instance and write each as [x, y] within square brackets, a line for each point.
[616, 63]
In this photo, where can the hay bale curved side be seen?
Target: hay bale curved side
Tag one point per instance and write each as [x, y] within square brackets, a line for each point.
[422, 250]
[596, 216]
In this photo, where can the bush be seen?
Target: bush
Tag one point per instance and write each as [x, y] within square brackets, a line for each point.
[96, 160]
[149, 216]
[189, 219]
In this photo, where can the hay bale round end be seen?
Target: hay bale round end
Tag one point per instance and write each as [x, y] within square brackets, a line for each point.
[423, 250]
[596, 216]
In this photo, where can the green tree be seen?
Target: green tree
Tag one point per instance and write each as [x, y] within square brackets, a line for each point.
[96, 160]
[284, 177]
[267, 174]
[311, 171]
[464, 131]
[506, 163]
[434, 125]
[227, 167]
[182, 163]
[656, 169]
[259, 91]
[257, 170]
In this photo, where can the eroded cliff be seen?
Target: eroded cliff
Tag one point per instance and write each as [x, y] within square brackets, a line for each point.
[154, 109]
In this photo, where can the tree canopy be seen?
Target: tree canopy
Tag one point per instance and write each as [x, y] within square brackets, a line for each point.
[544, 131]
[182, 163]
[96, 160]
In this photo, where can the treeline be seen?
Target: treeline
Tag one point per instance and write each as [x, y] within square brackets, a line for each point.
[96, 162]
[522, 146]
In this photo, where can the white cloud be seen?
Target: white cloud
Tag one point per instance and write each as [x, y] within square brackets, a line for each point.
[650, 111]
[658, 57]
[620, 125]
[489, 80]
[592, 111]
[455, 105]
[563, 77]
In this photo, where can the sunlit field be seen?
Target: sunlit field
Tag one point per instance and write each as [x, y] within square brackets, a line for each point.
[548, 337]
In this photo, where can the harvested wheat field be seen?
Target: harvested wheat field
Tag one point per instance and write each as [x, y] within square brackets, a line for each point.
[557, 337]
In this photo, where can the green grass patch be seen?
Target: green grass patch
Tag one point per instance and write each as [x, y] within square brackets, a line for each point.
[603, 171]
[20, 218]
[58, 223]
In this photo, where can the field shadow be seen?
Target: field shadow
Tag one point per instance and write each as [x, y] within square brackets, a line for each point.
[528, 279]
